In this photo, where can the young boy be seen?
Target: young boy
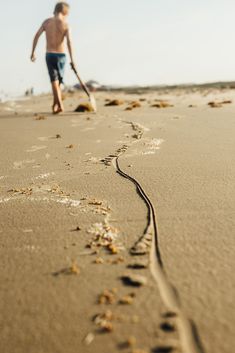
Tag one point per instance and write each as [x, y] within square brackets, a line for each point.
[57, 30]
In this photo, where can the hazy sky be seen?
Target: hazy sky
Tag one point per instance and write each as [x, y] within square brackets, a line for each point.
[124, 41]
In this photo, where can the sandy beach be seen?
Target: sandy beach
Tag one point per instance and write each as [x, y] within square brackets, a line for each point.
[117, 228]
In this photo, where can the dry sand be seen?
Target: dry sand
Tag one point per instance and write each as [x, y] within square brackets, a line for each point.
[71, 226]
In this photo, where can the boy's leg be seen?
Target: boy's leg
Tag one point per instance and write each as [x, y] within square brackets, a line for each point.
[58, 103]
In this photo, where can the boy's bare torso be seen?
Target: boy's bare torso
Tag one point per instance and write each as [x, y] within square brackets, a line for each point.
[56, 30]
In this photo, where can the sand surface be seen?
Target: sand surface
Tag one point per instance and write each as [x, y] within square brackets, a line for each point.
[72, 223]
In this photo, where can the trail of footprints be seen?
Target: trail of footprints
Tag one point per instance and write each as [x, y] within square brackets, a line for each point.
[105, 321]
[147, 246]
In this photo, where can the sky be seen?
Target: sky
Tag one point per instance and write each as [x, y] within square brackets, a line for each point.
[124, 42]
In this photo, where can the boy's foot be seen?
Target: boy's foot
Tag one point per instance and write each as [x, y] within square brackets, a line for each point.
[56, 109]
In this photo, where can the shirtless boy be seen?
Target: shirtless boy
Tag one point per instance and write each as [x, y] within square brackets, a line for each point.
[57, 30]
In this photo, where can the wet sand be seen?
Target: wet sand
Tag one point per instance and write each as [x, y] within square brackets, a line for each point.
[116, 228]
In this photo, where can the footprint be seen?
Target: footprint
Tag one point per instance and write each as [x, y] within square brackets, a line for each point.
[167, 327]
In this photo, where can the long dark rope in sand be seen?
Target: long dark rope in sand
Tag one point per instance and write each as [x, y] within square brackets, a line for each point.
[189, 336]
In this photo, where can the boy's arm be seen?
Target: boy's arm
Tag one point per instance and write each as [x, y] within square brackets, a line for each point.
[70, 46]
[35, 42]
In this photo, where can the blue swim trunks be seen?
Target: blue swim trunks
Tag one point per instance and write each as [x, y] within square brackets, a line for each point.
[56, 65]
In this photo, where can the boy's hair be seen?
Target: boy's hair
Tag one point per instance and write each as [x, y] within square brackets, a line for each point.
[59, 7]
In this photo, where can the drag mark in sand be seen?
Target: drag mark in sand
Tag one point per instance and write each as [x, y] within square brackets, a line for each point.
[149, 244]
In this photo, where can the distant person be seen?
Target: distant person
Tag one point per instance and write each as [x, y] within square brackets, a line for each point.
[57, 30]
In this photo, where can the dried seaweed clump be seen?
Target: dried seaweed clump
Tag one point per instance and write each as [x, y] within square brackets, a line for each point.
[84, 108]
[108, 297]
[214, 104]
[162, 104]
[115, 102]
[105, 321]
[104, 236]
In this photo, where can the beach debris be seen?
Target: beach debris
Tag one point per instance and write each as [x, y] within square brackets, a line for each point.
[192, 106]
[115, 102]
[58, 136]
[134, 280]
[136, 104]
[113, 249]
[95, 202]
[72, 270]
[40, 117]
[127, 299]
[99, 261]
[100, 207]
[104, 236]
[215, 104]
[107, 297]
[84, 108]
[162, 104]
[89, 338]
[138, 265]
[104, 321]
[106, 326]
[167, 327]
[132, 105]
[70, 146]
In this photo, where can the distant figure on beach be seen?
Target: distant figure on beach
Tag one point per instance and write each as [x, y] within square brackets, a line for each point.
[57, 30]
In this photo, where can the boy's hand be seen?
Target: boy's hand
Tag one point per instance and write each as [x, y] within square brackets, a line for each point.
[33, 58]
